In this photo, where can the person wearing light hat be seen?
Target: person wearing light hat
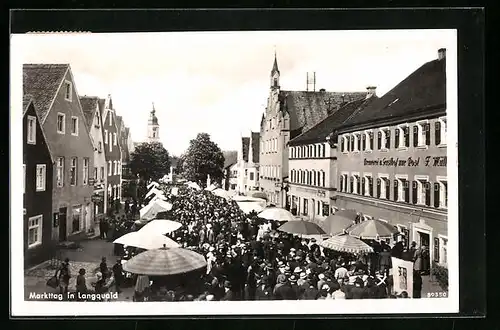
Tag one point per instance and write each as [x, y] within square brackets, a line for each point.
[283, 290]
[321, 281]
[302, 279]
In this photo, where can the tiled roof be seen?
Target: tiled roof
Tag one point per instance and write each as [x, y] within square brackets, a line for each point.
[423, 90]
[245, 144]
[42, 81]
[230, 158]
[324, 128]
[255, 146]
[306, 109]
[89, 107]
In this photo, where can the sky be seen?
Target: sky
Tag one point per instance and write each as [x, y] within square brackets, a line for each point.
[218, 82]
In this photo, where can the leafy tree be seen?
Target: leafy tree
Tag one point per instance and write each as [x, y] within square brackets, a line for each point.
[150, 160]
[203, 158]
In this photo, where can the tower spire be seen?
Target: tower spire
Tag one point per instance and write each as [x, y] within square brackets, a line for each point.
[275, 64]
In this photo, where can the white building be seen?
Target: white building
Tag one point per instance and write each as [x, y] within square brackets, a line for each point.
[248, 164]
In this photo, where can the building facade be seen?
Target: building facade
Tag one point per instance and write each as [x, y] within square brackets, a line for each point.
[37, 189]
[392, 160]
[112, 152]
[99, 178]
[287, 115]
[248, 164]
[56, 100]
[313, 164]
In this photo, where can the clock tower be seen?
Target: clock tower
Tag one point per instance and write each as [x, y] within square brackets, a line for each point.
[153, 127]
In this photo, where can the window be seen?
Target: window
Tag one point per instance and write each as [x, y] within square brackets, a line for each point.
[35, 231]
[96, 174]
[110, 119]
[363, 186]
[61, 123]
[369, 185]
[401, 190]
[421, 134]
[402, 136]
[440, 132]
[383, 187]
[60, 171]
[110, 142]
[99, 146]
[97, 120]
[251, 176]
[343, 143]
[363, 141]
[323, 150]
[31, 129]
[326, 209]
[368, 141]
[85, 171]
[351, 181]
[106, 136]
[351, 138]
[115, 168]
[443, 250]
[76, 219]
[24, 178]
[68, 93]
[306, 204]
[41, 170]
[387, 138]
[119, 167]
[323, 179]
[74, 126]
[114, 139]
[421, 191]
[102, 173]
[441, 193]
[72, 171]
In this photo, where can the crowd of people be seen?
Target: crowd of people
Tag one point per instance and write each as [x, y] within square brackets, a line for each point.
[247, 259]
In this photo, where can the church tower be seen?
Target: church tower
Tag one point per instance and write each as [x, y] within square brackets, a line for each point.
[153, 127]
[275, 74]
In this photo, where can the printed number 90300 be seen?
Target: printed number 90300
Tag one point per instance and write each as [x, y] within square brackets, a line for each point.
[437, 295]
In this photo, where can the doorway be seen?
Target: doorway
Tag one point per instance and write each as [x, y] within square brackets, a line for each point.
[424, 239]
[63, 211]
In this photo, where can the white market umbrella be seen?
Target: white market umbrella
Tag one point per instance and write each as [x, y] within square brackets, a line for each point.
[239, 198]
[146, 240]
[277, 214]
[150, 211]
[161, 226]
[154, 191]
[221, 193]
[211, 187]
[248, 207]
[193, 185]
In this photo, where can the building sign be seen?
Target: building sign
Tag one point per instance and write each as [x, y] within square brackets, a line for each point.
[428, 161]
[402, 273]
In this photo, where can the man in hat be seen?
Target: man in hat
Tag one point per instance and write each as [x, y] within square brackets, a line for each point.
[295, 287]
[321, 281]
[118, 274]
[283, 289]
[264, 291]
[228, 292]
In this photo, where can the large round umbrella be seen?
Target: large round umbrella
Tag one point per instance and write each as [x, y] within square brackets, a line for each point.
[161, 226]
[248, 207]
[165, 261]
[221, 193]
[238, 198]
[301, 228]
[260, 194]
[154, 191]
[346, 243]
[336, 223]
[146, 240]
[373, 229]
[150, 211]
[277, 214]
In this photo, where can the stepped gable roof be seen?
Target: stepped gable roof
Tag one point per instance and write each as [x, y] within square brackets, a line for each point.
[306, 109]
[230, 158]
[326, 127]
[422, 92]
[42, 82]
[255, 146]
[89, 104]
[245, 146]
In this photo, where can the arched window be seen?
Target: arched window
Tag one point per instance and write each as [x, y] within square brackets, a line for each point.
[314, 177]
[323, 150]
[323, 177]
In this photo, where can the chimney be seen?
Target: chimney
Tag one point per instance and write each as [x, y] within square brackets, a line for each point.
[371, 91]
[441, 53]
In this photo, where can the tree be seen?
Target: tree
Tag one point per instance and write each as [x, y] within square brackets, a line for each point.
[150, 160]
[203, 158]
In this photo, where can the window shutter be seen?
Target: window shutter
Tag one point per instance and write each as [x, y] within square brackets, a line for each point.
[359, 142]
[437, 189]
[387, 189]
[363, 138]
[363, 184]
[427, 128]
[414, 192]
[388, 139]
[379, 140]
[370, 186]
[406, 191]
[358, 183]
[396, 138]
[415, 135]
[378, 188]
[436, 249]
[342, 144]
[407, 136]
[437, 132]
[352, 142]
[427, 194]
[352, 184]
[371, 140]
[395, 195]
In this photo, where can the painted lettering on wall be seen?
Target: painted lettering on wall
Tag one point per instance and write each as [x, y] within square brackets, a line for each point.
[429, 161]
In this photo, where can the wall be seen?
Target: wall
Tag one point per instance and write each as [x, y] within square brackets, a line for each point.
[37, 202]
[100, 184]
[67, 146]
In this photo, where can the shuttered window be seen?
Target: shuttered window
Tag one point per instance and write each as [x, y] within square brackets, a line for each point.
[415, 136]
[395, 191]
[363, 141]
[414, 192]
[406, 131]
[406, 191]
[371, 140]
[427, 187]
[351, 189]
[370, 186]
[387, 188]
[363, 185]
[427, 130]
[396, 138]
[379, 185]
